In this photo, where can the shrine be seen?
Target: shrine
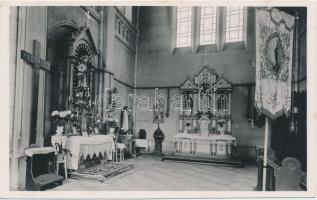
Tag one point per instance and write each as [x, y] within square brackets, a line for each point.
[205, 120]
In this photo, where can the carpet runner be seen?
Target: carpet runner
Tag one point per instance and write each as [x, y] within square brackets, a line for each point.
[104, 171]
[232, 162]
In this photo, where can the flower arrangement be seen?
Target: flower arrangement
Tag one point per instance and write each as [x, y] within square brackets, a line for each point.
[61, 119]
[61, 116]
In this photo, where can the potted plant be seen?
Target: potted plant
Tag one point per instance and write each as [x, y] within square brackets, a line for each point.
[60, 150]
[60, 119]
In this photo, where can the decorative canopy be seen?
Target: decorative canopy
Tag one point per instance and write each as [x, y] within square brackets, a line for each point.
[188, 85]
[84, 34]
[206, 78]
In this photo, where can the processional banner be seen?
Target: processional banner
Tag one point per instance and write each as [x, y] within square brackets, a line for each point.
[274, 54]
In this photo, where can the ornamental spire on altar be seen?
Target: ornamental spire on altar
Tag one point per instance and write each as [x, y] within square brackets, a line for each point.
[274, 54]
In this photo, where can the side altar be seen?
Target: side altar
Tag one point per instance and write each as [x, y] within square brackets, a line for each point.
[205, 120]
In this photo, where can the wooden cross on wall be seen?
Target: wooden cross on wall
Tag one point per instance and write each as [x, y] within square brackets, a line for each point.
[38, 64]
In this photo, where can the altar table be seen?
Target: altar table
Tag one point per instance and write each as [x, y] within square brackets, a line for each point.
[78, 146]
[213, 144]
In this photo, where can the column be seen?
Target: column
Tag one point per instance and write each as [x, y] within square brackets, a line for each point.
[17, 42]
[109, 39]
[229, 147]
[213, 145]
[195, 104]
[180, 125]
[229, 104]
[214, 92]
[229, 125]
[101, 83]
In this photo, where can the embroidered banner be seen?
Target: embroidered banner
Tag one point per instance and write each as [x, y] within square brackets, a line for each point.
[274, 49]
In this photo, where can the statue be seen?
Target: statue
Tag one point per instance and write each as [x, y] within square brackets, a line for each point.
[83, 125]
[158, 112]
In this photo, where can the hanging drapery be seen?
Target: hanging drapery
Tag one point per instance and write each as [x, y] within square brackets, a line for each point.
[274, 54]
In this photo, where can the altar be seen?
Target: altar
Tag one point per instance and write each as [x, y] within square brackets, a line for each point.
[212, 145]
[205, 117]
[78, 147]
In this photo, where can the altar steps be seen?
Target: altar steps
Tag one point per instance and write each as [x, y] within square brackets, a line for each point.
[229, 162]
[103, 172]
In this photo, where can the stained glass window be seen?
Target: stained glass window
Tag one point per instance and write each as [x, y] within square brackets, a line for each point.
[184, 26]
[234, 24]
[207, 25]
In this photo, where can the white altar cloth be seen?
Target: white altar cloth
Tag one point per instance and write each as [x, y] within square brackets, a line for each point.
[41, 150]
[211, 144]
[80, 145]
[213, 137]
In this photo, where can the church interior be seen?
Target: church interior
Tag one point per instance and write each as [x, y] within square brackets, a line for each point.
[156, 98]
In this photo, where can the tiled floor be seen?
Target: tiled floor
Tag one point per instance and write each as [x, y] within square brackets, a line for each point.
[152, 174]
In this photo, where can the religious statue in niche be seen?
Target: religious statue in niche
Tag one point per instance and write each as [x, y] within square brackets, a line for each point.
[222, 102]
[159, 112]
[82, 79]
[188, 103]
[83, 67]
[220, 127]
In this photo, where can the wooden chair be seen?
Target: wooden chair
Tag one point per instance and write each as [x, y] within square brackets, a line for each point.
[59, 143]
[120, 148]
[118, 151]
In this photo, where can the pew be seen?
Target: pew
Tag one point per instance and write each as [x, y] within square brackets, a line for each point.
[281, 176]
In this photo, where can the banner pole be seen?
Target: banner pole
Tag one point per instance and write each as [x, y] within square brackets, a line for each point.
[266, 133]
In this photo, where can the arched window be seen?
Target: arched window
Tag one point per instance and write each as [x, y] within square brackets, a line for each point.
[222, 102]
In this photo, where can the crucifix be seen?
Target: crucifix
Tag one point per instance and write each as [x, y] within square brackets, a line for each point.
[38, 64]
[88, 18]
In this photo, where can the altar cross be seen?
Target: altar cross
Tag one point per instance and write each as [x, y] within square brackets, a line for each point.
[38, 64]
[88, 18]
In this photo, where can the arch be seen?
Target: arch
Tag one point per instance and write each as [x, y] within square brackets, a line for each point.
[222, 102]
[65, 24]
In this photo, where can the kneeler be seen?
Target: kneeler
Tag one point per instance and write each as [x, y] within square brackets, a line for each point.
[40, 168]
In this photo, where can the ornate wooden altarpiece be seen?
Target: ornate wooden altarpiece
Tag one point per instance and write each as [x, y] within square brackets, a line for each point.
[206, 97]
[205, 121]
[81, 65]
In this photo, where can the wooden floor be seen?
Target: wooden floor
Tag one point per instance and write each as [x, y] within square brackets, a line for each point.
[151, 174]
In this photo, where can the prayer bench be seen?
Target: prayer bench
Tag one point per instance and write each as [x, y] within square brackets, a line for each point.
[281, 176]
[40, 168]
